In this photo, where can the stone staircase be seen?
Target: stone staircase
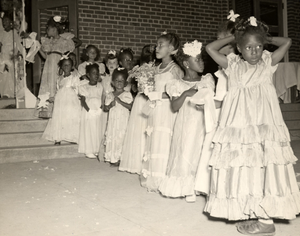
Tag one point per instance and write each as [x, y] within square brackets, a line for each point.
[291, 116]
[21, 138]
[21, 135]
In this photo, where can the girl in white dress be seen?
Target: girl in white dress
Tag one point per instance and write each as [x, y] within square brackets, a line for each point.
[189, 129]
[202, 180]
[64, 124]
[111, 62]
[161, 119]
[90, 55]
[252, 161]
[119, 104]
[135, 138]
[90, 94]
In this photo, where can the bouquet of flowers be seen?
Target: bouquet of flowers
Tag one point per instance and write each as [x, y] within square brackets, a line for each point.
[144, 75]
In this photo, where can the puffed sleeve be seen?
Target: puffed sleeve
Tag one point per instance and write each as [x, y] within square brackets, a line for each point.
[68, 45]
[267, 59]
[208, 81]
[127, 97]
[232, 60]
[46, 44]
[81, 68]
[82, 90]
[173, 88]
[177, 72]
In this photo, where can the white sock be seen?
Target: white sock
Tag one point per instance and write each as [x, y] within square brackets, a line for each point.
[268, 221]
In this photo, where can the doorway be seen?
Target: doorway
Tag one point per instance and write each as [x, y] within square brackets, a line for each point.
[42, 10]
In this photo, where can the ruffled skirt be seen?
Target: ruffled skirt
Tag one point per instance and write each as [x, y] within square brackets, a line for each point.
[135, 138]
[252, 174]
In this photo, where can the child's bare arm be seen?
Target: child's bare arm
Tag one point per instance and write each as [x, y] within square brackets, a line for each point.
[213, 50]
[283, 46]
[83, 103]
[124, 104]
[177, 102]
[43, 54]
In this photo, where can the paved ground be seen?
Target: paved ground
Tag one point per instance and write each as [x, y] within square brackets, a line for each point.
[83, 197]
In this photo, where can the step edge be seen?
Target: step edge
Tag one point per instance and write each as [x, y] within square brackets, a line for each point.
[50, 145]
[31, 132]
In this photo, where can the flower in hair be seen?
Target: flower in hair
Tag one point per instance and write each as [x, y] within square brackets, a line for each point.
[164, 33]
[232, 16]
[113, 52]
[252, 21]
[57, 19]
[64, 57]
[192, 49]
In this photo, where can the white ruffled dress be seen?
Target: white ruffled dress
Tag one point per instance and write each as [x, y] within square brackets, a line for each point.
[64, 124]
[159, 131]
[189, 132]
[91, 135]
[252, 161]
[116, 127]
[135, 137]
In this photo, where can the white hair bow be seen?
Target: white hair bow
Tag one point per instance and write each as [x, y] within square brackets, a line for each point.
[232, 16]
[113, 52]
[57, 18]
[65, 56]
[252, 20]
[163, 33]
[120, 68]
[192, 49]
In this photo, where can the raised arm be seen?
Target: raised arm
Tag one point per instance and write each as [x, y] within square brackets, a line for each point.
[213, 50]
[177, 102]
[283, 46]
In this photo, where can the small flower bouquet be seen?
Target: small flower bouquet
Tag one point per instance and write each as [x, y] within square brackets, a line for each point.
[144, 75]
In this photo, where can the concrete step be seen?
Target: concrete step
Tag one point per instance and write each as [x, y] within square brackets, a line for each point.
[35, 153]
[291, 115]
[295, 135]
[17, 114]
[293, 124]
[22, 139]
[4, 102]
[17, 126]
[290, 107]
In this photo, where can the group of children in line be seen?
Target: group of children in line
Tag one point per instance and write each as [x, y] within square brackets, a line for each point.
[184, 138]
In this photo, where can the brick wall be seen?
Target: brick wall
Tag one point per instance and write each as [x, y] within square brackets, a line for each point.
[112, 24]
[293, 12]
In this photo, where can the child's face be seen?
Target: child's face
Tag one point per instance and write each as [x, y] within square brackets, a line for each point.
[126, 61]
[163, 48]
[196, 63]
[251, 48]
[119, 82]
[94, 76]
[7, 24]
[91, 53]
[67, 66]
[112, 64]
[52, 31]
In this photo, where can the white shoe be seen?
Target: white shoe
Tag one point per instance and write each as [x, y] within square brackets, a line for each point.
[90, 155]
[190, 198]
